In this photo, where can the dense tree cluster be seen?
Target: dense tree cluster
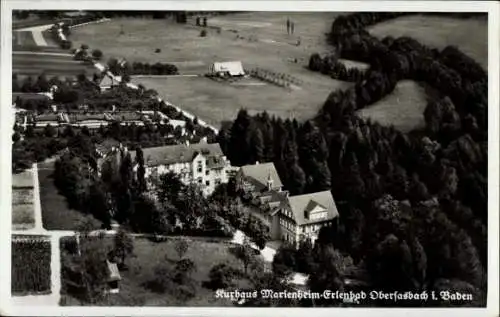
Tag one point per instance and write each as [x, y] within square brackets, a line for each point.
[228, 205]
[330, 65]
[413, 211]
[138, 68]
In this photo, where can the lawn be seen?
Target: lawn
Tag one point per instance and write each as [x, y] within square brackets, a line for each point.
[215, 101]
[22, 209]
[30, 265]
[403, 108]
[270, 48]
[23, 217]
[56, 215]
[51, 65]
[141, 270]
[469, 35]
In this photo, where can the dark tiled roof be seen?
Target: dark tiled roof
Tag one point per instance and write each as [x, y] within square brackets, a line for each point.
[77, 117]
[114, 273]
[106, 145]
[47, 117]
[126, 116]
[258, 174]
[306, 203]
[165, 155]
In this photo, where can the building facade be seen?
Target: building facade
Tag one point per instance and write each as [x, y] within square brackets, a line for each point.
[289, 218]
[202, 163]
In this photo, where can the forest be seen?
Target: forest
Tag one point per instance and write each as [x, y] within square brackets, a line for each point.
[413, 206]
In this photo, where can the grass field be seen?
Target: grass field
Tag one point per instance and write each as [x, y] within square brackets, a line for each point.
[24, 179]
[56, 215]
[469, 35]
[23, 216]
[149, 254]
[271, 49]
[51, 65]
[215, 101]
[403, 108]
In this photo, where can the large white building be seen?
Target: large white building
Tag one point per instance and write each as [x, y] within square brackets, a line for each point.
[201, 163]
[289, 218]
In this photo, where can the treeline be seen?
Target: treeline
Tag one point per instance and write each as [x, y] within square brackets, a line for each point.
[138, 68]
[31, 85]
[413, 207]
[330, 65]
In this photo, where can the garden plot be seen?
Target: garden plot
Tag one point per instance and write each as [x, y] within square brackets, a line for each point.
[31, 268]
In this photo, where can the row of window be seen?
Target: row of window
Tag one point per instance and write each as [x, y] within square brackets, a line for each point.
[218, 181]
[287, 224]
[306, 229]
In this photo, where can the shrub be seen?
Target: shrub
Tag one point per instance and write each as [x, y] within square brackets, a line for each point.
[315, 62]
[65, 44]
[221, 276]
[97, 54]
[203, 33]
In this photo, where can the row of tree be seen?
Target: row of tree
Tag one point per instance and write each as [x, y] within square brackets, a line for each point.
[330, 65]
[138, 68]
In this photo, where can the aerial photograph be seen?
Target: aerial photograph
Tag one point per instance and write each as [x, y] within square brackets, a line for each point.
[249, 159]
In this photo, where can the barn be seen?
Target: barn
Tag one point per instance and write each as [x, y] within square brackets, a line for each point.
[230, 69]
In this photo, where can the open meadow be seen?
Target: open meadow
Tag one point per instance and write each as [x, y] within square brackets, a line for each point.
[23, 213]
[215, 101]
[50, 64]
[257, 39]
[470, 35]
[403, 108]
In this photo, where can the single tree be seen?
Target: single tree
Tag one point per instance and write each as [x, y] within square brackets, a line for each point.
[124, 246]
[181, 247]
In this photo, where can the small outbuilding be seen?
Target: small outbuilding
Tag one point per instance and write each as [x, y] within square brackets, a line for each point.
[114, 278]
[229, 69]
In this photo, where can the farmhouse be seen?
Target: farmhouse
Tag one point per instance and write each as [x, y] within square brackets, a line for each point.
[107, 82]
[201, 163]
[229, 69]
[289, 218]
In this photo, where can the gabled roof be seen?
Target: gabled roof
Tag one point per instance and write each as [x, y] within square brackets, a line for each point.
[107, 145]
[165, 155]
[106, 81]
[234, 68]
[306, 203]
[47, 117]
[114, 273]
[258, 175]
